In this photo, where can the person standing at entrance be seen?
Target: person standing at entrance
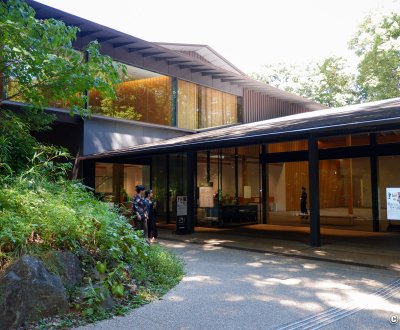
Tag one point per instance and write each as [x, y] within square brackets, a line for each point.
[139, 208]
[303, 203]
[151, 206]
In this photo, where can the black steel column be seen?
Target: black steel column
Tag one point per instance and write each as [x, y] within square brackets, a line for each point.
[191, 190]
[374, 184]
[313, 179]
[236, 177]
[208, 166]
[264, 185]
[168, 213]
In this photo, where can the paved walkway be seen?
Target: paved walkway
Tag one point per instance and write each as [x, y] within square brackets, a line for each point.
[232, 283]
[380, 250]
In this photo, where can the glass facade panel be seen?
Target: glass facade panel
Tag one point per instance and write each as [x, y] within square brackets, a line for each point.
[104, 179]
[343, 141]
[228, 183]
[187, 105]
[388, 177]
[143, 95]
[159, 185]
[217, 108]
[388, 137]
[203, 107]
[345, 193]
[117, 182]
[288, 146]
[177, 180]
[284, 191]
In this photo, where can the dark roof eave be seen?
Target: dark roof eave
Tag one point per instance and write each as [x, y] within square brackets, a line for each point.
[223, 142]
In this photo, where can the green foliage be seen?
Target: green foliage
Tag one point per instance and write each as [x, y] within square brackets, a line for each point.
[17, 146]
[377, 44]
[332, 83]
[40, 213]
[37, 58]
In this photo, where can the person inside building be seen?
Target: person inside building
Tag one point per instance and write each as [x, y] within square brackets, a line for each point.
[303, 203]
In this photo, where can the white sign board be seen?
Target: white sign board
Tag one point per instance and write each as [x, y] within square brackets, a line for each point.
[393, 203]
[181, 205]
[206, 198]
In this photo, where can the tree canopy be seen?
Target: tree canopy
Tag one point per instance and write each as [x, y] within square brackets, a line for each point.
[331, 82]
[40, 66]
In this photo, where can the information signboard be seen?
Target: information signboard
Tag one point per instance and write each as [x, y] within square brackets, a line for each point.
[206, 198]
[181, 205]
[393, 203]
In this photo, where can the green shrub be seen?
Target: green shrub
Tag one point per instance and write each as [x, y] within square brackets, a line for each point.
[38, 215]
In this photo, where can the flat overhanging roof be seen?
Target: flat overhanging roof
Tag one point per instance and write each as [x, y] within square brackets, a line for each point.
[361, 118]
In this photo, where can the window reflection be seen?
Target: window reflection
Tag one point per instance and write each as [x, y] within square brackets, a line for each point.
[143, 95]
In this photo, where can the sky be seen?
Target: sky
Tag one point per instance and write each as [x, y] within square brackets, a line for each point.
[249, 33]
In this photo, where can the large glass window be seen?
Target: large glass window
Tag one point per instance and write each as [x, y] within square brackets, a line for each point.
[343, 141]
[117, 182]
[228, 183]
[143, 95]
[159, 185]
[388, 137]
[388, 178]
[345, 193]
[187, 105]
[217, 108]
[285, 182]
[288, 146]
[202, 107]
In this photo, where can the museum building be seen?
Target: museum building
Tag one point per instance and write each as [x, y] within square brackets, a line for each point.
[193, 127]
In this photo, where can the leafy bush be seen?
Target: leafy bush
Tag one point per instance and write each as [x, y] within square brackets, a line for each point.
[38, 215]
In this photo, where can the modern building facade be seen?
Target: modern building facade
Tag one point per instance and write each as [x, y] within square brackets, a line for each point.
[187, 122]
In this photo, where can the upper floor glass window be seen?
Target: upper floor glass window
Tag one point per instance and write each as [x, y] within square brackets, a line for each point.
[202, 107]
[143, 95]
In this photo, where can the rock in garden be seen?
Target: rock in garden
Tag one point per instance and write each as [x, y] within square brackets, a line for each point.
[67, 266]
[28, 292]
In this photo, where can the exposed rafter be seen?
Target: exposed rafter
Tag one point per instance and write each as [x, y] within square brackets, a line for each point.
[201, 70]
[231, 79]
[87, 33]
[212, 73]
[137, 49]
[188, 66]
[104, 39]
[148, 54]
[122, 44]
[165, 58]
[178, 62]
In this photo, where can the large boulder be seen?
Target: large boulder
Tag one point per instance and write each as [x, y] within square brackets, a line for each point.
[66, 265]
[28, 292]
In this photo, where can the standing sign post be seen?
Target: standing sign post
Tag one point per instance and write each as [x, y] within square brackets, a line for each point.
[393, 207]
[181, 215]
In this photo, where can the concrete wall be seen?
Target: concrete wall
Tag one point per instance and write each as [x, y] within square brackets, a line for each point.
[103, 134]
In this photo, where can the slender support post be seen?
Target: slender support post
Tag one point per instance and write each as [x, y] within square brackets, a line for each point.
[313, 177]
[374, 185]
[191, 190]
[236, 178]
[168, 213]
[264, 186]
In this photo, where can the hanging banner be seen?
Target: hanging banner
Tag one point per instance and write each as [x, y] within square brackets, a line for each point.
[393, 203]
